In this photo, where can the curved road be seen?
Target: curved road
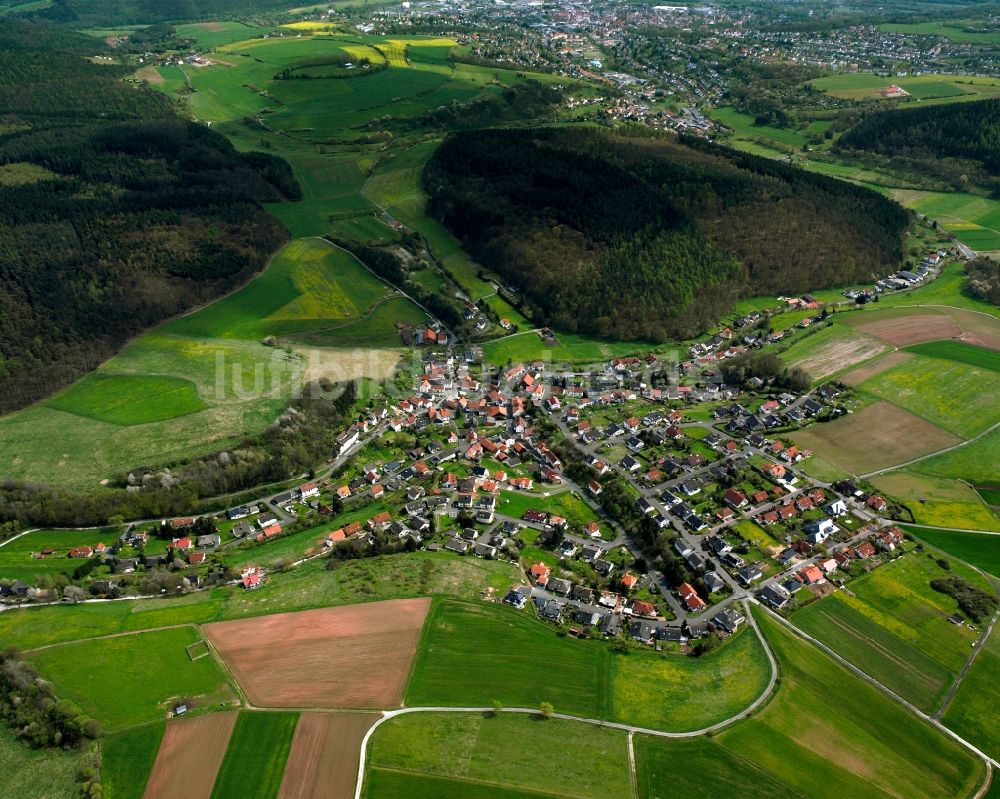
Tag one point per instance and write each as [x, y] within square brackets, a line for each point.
[629, 728]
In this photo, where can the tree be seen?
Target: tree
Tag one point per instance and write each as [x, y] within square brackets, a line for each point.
[497, 707]
[545, 710]
[74, 594]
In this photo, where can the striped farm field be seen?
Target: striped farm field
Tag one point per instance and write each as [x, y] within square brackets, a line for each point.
[255, 759]
[323, 761]
[189, 757]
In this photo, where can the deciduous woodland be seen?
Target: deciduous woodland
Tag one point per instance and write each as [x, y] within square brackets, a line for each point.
[643, 236]
[114, 214]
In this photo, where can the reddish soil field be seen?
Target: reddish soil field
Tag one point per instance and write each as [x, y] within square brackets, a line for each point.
[326, 750]
[907, 330]
[357, 656]
[189, 758]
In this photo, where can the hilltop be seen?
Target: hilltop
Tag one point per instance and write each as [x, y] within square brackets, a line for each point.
[651, 237]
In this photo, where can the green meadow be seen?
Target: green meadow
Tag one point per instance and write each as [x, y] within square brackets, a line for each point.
[150, 670]
[259, 746]
[949, 393]
[829, 734]
[472, 654]
[893, 626]
[476, 749]
[701, 768]
[982, 551]
[129, 399]
[17, 563]
[127, 760]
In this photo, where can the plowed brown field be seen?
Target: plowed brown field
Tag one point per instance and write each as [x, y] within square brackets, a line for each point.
[189, 757]
[904, 331]
[323, 763]
[357, 656]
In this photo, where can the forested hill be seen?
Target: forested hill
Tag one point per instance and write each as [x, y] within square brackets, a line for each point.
[645, 236]
[114, 214]
[130, 12]
[959, 142]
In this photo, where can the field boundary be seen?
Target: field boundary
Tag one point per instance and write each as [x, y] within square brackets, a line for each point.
[989, 761]
[628, 728]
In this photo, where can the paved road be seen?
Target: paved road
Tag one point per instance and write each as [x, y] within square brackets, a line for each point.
[629, 728]
[888, 691]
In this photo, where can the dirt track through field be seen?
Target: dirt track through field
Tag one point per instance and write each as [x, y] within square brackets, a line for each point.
[189, 757]
[323, 763]
[357, 656]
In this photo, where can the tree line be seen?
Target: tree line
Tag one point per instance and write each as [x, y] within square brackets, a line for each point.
[984, 279]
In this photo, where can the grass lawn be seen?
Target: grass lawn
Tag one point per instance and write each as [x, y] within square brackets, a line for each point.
[955, 396]
[472, 654]
[565, 504]
[255, 760]
[150, 670]
[700, 768]
[894, 627]
[16, 562]
[480, 750]
[38, 773]
[832, 735]
[127, 759]
[684, 693]
[972, 713]
[982, 551]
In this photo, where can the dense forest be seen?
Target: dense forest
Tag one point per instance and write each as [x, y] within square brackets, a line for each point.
[643, 236]
[114, 214]
[959, 143]
[984, 279]
[130, 12]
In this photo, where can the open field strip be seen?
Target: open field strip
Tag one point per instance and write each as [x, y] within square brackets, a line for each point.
[832, 351]
[259, 746]
[127, 760]
[325, 752]
[189, 757]
[868, 741]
